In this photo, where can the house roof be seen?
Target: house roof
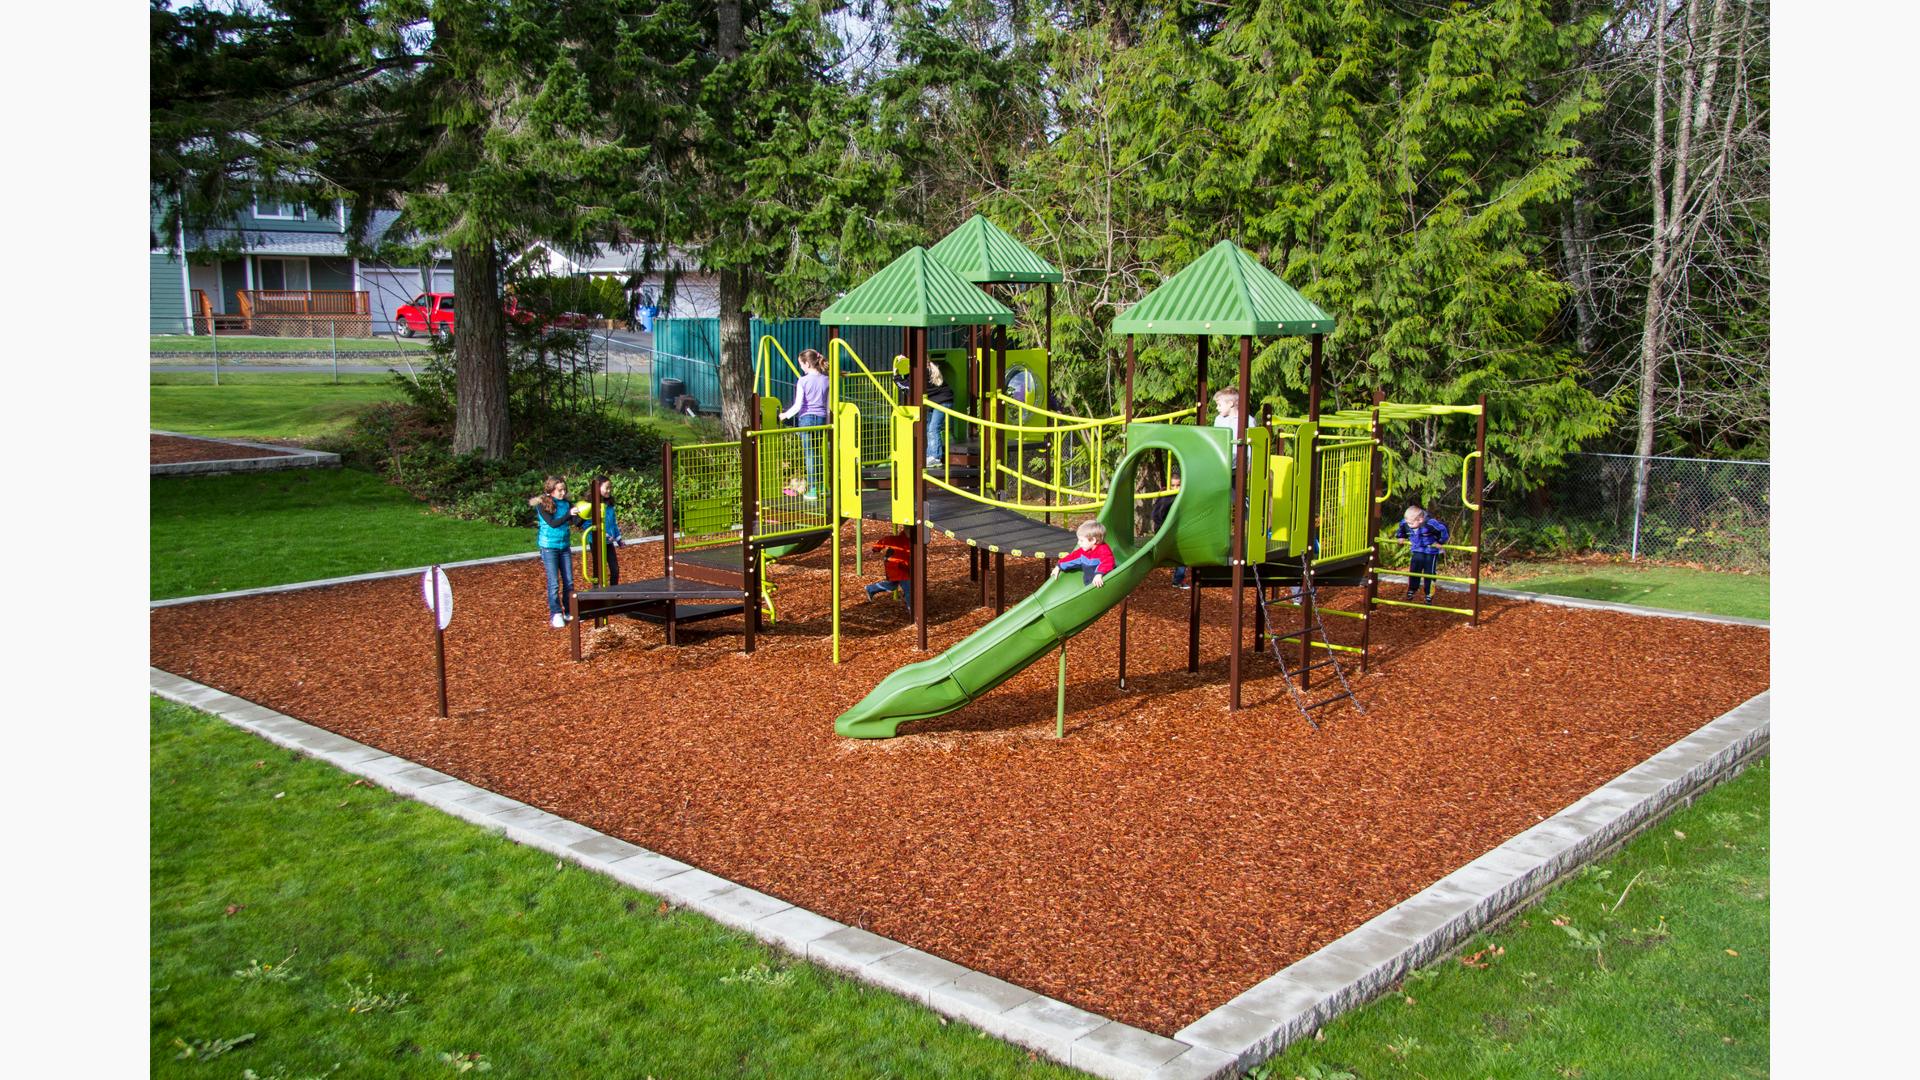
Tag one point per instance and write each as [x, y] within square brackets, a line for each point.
[1225, 291]
[916, 290]
[258, 241]
[982, 252]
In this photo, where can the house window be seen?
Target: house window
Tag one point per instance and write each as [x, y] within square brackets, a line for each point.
[281, 275]
[274, 210]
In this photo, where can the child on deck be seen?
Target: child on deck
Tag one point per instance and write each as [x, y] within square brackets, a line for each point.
[1093, 558]
[1424, 535]
[584, 510]
[898, 549]
[554, 537]
[810, 406]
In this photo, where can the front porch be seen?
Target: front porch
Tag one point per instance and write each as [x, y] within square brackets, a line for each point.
[286, 313]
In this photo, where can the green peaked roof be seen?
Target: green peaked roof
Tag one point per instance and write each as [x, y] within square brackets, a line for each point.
[915, 290]
[1225, 291]
[983, 252]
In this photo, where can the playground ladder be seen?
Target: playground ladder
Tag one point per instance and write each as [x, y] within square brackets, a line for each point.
[1317, 626]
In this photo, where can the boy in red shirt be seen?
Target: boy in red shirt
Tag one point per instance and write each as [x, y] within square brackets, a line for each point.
[1093, 558]
[898, 549]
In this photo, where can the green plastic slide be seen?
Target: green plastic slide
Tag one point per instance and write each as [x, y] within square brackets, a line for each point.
[1195, 534]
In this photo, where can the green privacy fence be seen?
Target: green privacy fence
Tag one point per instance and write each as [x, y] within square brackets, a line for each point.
[688, 350]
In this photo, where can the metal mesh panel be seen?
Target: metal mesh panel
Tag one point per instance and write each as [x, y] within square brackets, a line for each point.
[1345, 492]
[1701, 512]
[794, 467]
[706, 494]
[874, 398]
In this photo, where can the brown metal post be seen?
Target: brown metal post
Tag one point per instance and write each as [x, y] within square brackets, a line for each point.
[749, 520]
[573, 623]
[666, 488]
[440, 641]
[1479, 493]
[999, 582]
[1373, 537]
[1048, 343]
[1312, 465]
[599, 549]
[917, 358]
[1237, 555]
[1127, 414]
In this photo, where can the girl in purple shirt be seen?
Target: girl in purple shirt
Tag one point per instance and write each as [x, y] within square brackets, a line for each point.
[810, 406]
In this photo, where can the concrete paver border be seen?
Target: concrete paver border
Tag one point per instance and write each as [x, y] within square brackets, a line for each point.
[1288, 1005]
[281, 457]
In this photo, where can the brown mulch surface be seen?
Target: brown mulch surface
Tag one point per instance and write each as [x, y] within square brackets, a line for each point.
[1164, 856]
[169, 449]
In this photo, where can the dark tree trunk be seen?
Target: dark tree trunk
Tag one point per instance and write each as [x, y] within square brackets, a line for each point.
[480, 355]
[736, 353]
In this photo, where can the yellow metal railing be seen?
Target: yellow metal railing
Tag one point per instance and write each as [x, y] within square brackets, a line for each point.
[706, 494]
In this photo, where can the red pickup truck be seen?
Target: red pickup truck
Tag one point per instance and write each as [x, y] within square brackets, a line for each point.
[432, 314]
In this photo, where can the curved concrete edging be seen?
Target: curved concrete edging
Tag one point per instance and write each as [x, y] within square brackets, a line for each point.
[1253, 1026]
[282, 457]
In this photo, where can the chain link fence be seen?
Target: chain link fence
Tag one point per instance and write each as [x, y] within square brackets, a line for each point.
[1701, 512]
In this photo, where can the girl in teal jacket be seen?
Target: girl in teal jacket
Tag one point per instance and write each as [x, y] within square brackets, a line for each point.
[554, 525]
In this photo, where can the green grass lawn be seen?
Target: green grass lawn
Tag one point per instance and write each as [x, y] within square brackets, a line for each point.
[201, 343]
[214, 533]
[1671, 587]
[259, 405]
[1653, 963]
[343, 927]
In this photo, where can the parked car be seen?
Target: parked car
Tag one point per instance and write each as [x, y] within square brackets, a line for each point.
[432, 314]
[428, 313]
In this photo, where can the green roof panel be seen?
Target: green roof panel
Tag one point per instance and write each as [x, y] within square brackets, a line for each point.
[916, 290]
[1226, 291]
[984, 253]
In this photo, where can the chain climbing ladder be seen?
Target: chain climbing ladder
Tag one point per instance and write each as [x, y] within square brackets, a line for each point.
[1318, 626]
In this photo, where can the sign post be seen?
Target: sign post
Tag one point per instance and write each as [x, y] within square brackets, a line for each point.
[438, 593]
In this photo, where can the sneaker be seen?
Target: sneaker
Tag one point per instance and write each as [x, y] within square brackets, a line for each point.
[1413, 594]
[1429, 599]
[810, 497]
[1182, 585]
[934, 463]
[559, 622]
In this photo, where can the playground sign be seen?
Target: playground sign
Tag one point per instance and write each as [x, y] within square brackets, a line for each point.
[438, 594]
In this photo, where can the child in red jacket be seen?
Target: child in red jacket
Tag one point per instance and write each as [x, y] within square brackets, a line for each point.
[1093, 558]
[898, 549]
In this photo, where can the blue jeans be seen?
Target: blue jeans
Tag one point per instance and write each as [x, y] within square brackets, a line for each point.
[810, 448]
[559, 564]
[1179, 576]
[1422, 562]
[936, 434]
[1087, 567]
[904, 588]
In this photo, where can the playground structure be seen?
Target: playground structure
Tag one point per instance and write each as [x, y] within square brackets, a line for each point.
[1292, 503]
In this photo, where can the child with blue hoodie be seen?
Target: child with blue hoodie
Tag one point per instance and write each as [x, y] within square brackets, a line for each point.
[553, 535]
[1424, 535]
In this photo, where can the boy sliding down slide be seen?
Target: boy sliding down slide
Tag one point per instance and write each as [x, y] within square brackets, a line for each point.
[1093, 558]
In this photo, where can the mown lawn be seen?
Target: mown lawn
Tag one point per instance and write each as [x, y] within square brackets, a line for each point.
[215, 533]
[1653, 963]
[260, 405]
[1671, 587]
[324, 927]
[237, 343]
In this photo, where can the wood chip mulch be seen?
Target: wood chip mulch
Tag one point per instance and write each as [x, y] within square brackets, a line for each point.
[171, 449]
[1164, 856]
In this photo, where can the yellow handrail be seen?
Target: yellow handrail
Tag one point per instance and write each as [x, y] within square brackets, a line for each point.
[1386, 491]
[1057, 429]
[1042, 484]
[1464, 462]
[886, 391]
[1014, 506]
[761, 366]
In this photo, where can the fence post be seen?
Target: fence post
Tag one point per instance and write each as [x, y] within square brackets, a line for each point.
[333, 346]
[214, 333]
[1642, 470]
